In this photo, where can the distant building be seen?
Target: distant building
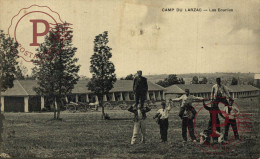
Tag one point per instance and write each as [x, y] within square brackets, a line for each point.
[204, 90]
[23, 98]
[257, 80]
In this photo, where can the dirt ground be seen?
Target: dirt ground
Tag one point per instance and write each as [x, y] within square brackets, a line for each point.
[81, 135]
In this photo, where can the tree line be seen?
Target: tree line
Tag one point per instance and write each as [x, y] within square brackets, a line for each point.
[56, 69]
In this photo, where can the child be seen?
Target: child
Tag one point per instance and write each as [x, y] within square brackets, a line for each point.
[139, 122]
[232, 112]
[162, 115]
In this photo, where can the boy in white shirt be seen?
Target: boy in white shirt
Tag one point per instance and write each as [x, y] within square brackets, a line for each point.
[232, 112]
[163, 114]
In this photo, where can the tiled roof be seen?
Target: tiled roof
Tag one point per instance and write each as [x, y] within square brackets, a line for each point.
[206, 88]
[16, 90]
[242, 88]
[119, 86]
[81, 87]
[174, 89]
[196, 88]
[29, 85]
[25, 87]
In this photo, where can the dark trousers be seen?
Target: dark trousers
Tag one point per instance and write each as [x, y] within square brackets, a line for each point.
[164, 124]
[233, 124]
[210, 127]
[221, 100]
[187, 124]
[140, 96]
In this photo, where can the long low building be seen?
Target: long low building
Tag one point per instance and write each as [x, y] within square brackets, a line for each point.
[204, 90]
[22, 97]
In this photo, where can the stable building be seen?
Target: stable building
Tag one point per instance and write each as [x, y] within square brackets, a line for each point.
[204, 90]
[23, 98]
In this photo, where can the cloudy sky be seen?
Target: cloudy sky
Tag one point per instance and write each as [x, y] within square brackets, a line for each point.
[143, 37]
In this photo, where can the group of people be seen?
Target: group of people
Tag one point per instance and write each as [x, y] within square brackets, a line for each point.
[187, 113]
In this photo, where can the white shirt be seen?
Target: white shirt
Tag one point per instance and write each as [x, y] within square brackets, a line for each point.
[139, 114]
[223, 90]
[233, 112]
[187, 99]
[164, 112]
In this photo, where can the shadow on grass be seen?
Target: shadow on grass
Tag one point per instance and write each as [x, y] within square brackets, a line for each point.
[54, 119]
[120, 119]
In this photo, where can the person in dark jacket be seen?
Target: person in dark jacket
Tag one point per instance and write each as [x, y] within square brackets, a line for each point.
[139, 122]
[140, 88]
[187, 114]
[214, 107]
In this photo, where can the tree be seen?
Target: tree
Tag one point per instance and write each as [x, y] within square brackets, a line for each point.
[18, 73]
[128, 77]
[195, 80]
[8, 61]
[162, 83]
[234, 81]
[102, 69]
[8, 52]
[56, 70]
[204, 81]
[170, 80]
[181, 81]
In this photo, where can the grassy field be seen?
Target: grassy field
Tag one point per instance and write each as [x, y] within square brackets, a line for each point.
[81, 135]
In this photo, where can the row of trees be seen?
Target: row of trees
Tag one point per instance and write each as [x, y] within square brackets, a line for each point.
[56, 68]
[171, 80]
[195, 80]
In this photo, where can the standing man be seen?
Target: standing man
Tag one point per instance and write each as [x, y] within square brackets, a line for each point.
[140, 88]
[187, 114]
[220, 93]
[139, 122]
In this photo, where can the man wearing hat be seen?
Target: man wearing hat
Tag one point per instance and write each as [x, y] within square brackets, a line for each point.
[163, 114]
[187, 114]
[140, 88]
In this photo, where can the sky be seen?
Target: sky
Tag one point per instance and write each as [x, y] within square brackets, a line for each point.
[143, 37]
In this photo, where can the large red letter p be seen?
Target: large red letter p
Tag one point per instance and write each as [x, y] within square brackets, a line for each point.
[214, 122]
[35, 33]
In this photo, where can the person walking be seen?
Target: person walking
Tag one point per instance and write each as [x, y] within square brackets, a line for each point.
[162, 115]
[139, 122]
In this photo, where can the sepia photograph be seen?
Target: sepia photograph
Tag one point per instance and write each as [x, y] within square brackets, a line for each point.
[130, 79]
